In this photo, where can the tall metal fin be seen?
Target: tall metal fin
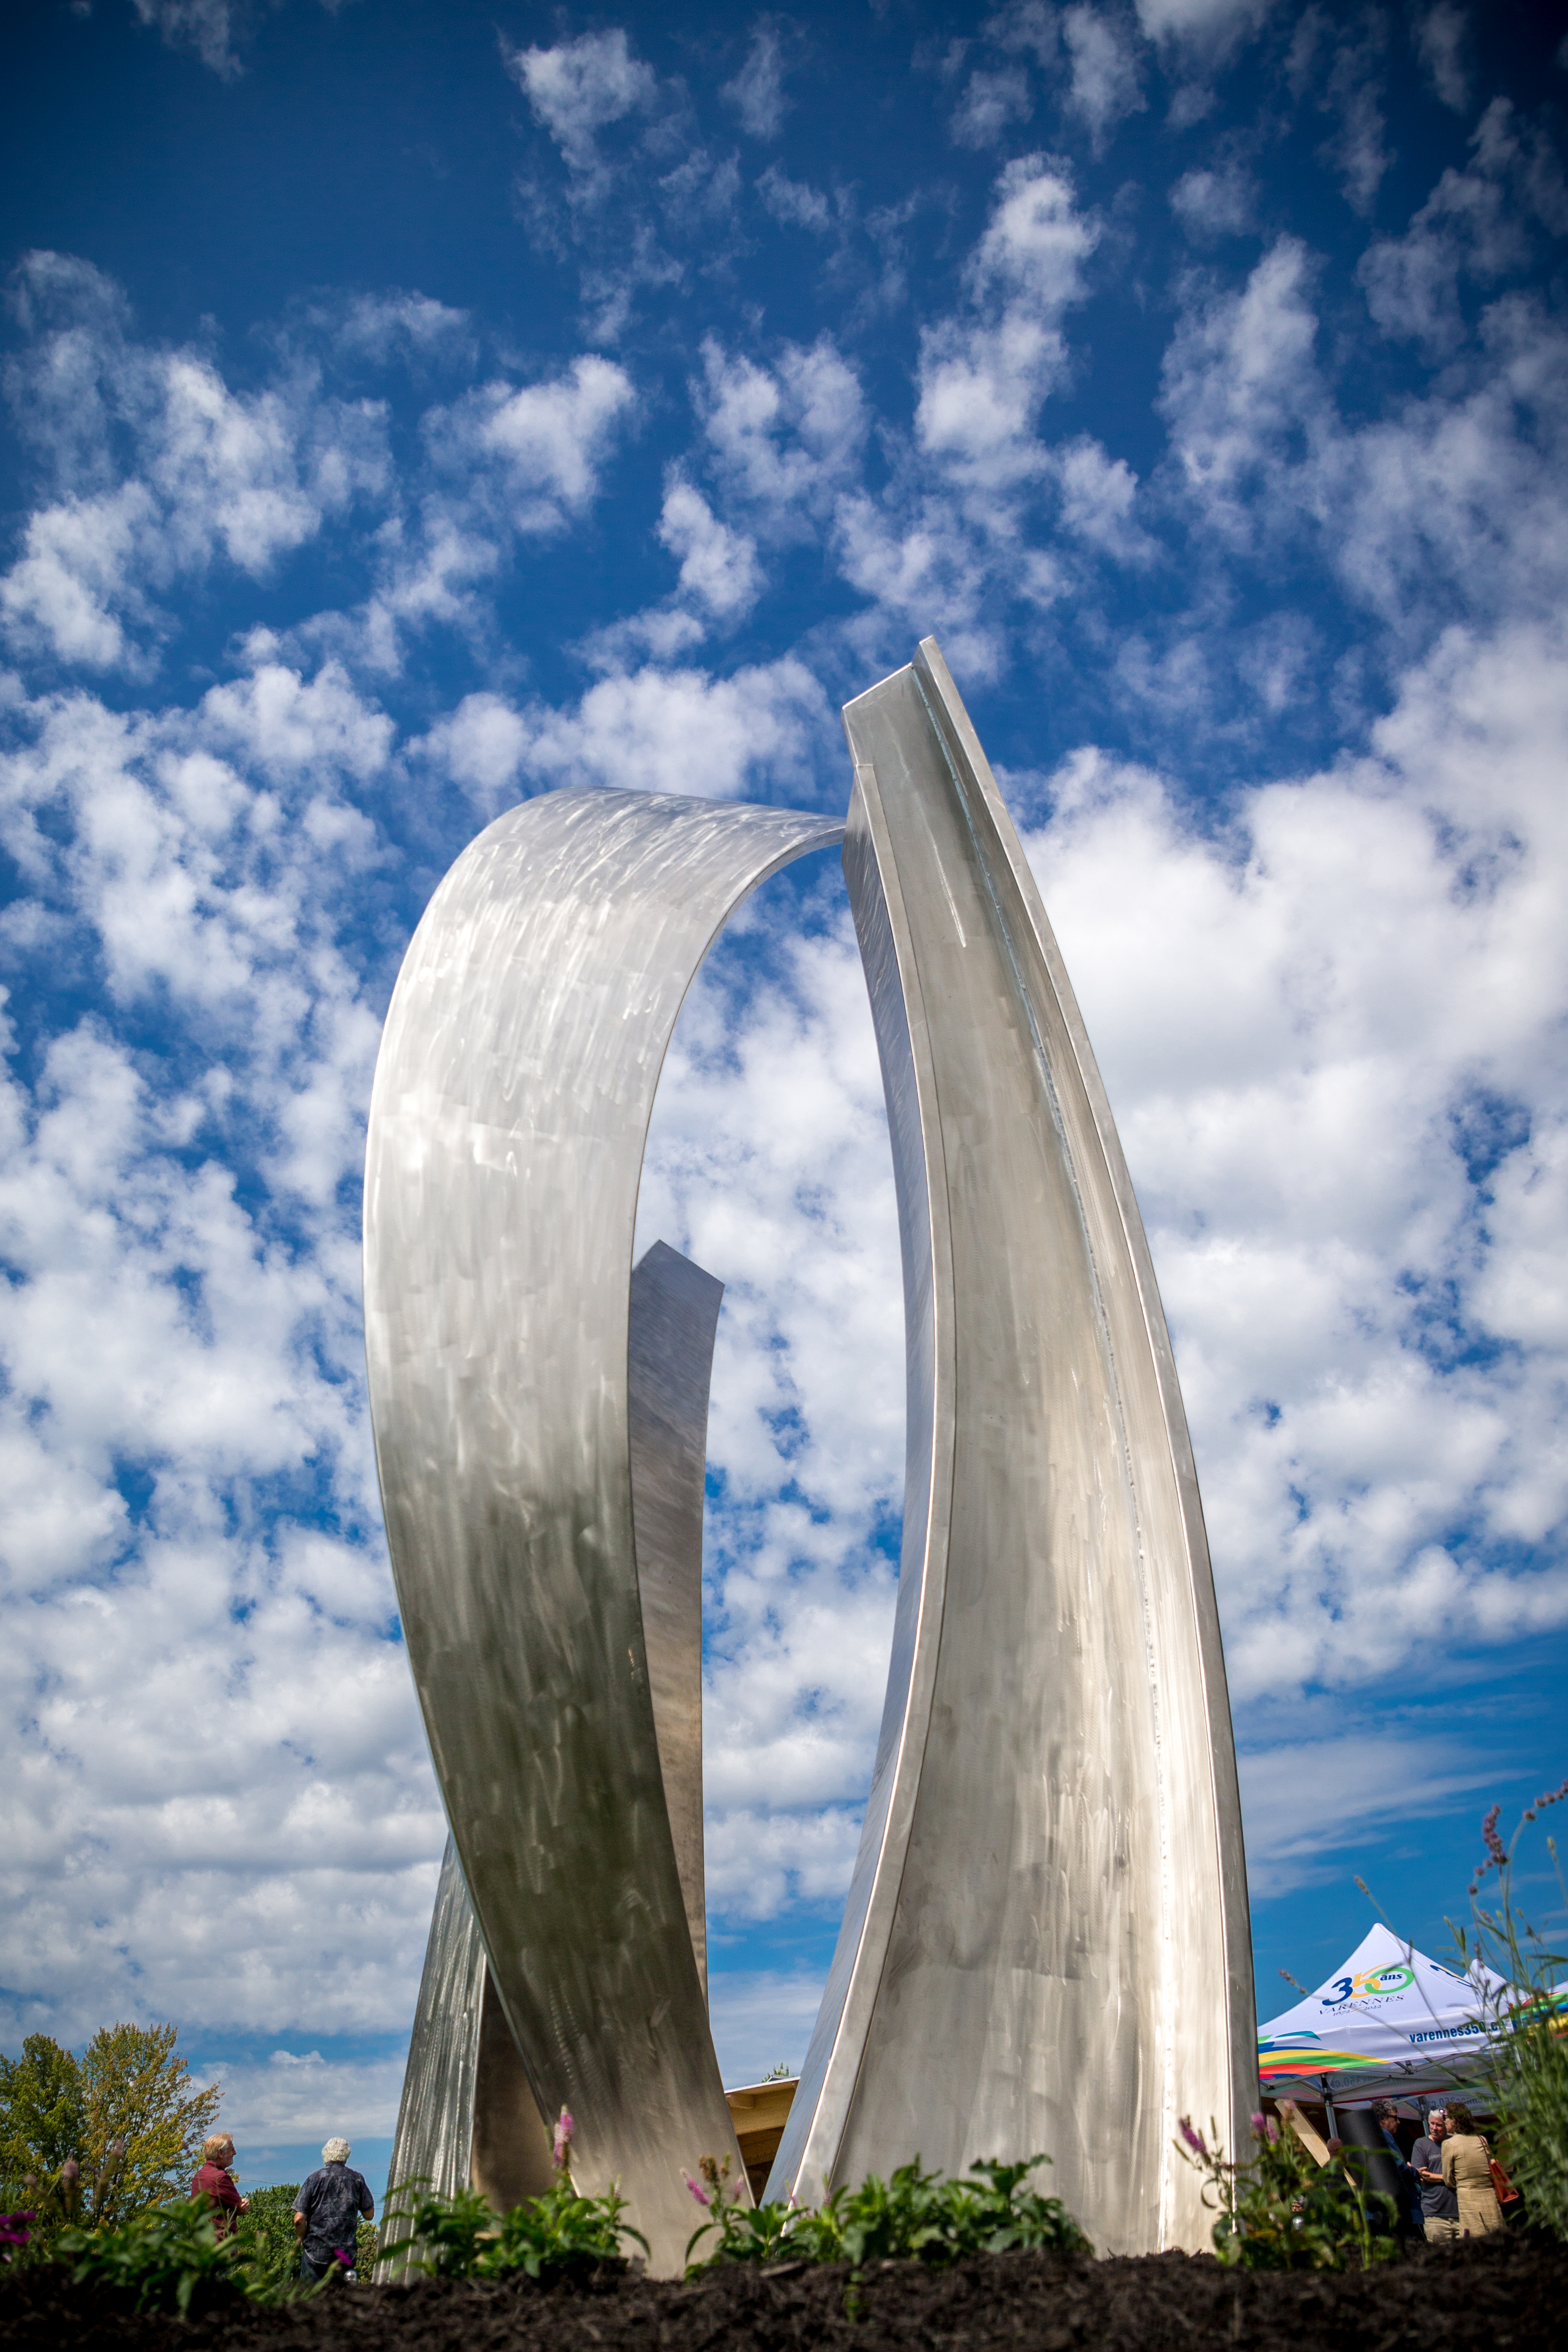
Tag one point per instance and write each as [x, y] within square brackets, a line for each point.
[1045, 1945]
[508, 1123]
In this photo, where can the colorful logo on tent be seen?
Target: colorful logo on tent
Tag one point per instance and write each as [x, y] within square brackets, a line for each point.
[1299, 2054]
[1396, 1976]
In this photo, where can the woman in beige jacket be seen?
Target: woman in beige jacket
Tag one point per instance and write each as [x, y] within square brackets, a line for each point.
[1467, 2169]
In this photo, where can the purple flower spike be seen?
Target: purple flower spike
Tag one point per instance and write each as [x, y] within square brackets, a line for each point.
[1494, 1844]
[1259, 2123]
[563, 2130]
[1195, 2140]
[695, 2186]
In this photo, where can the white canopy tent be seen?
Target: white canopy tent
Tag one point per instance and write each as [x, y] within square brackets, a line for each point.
[1390, 2023]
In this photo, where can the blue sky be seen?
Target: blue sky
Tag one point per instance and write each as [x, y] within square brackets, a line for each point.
[414, 406]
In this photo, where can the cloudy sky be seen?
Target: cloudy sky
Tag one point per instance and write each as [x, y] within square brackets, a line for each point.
[413, 405]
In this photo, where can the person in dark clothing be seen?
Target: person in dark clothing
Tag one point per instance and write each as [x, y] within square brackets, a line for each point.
[212, 2180]
[1407, 2183]
[327, 2212]
[1439, 2205]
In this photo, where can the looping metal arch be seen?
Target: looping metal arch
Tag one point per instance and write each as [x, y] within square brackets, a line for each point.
[1045, 1942]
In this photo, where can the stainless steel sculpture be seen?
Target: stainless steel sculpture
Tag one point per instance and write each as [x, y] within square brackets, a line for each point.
[1046, 1942]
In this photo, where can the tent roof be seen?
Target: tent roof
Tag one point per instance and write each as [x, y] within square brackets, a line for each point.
[1390, 2019]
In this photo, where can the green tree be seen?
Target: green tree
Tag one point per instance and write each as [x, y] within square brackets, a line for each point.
[145, 2119]
[43, 2117]
[43, 2130]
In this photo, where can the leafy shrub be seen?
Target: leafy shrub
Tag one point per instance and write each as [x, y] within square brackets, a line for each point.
[1281, 2211]
[1528, 2065]
[165, 2260]
[268, 2249]
[916, 2215]
[560, 2235]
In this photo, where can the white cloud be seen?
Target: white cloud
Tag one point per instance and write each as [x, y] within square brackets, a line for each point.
[784, 440]
[1303, 1798]
[214, 475]
[211, 1719]
[923, 572]
[211, 28]
[984, 377]
[757, 92]
[1218, 203]
[1299, 1145]
[288, 2096]
[718, 566]
[1209, 29]
[1478, 224]
[482, 746]
[761, 2018]
[990, 103]
[1441, 35]
[768, 1162]
[794, 202]
[380, 328]
[681, 730]
[579, 87]
[1104, 89]
[542, 446]
[1240, 380]
[1355, 150]
[1097, 498]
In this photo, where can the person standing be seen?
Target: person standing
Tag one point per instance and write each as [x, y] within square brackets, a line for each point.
[327, 2212]
[1467, 2169]
[1406, 2185]
[1439, 2205]
[212, 2180]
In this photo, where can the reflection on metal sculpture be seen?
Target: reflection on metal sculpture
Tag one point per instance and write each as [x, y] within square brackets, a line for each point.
[1045, 1942]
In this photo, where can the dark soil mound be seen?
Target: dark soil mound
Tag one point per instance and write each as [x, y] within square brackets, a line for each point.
[1507, 2293]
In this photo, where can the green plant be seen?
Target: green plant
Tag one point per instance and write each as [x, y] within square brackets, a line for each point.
[268, 2250]
[1281, 2211]
[558, 2235]
[561, 2235]
[1527, 2068]
[915, 2215]
[446, 2235]
[166, 2258]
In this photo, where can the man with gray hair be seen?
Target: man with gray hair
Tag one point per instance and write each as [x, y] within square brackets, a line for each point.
[327, 2212]
[1439, 2203]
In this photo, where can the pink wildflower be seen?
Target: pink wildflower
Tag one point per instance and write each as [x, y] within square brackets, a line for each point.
[564, 2129]
[1260, 2123]
[14, 2231]
[695, 2186]
[1495, 1850]
[1195, 2140]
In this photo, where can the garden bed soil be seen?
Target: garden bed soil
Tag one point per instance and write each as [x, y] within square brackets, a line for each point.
[1507, 2293]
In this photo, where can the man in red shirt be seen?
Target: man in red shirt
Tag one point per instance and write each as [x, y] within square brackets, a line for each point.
[212, 2180]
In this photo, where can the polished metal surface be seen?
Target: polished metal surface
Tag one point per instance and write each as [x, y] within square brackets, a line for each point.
[674, 1318]
[434, 2138]
[508, 1123]
[1045, 1945]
